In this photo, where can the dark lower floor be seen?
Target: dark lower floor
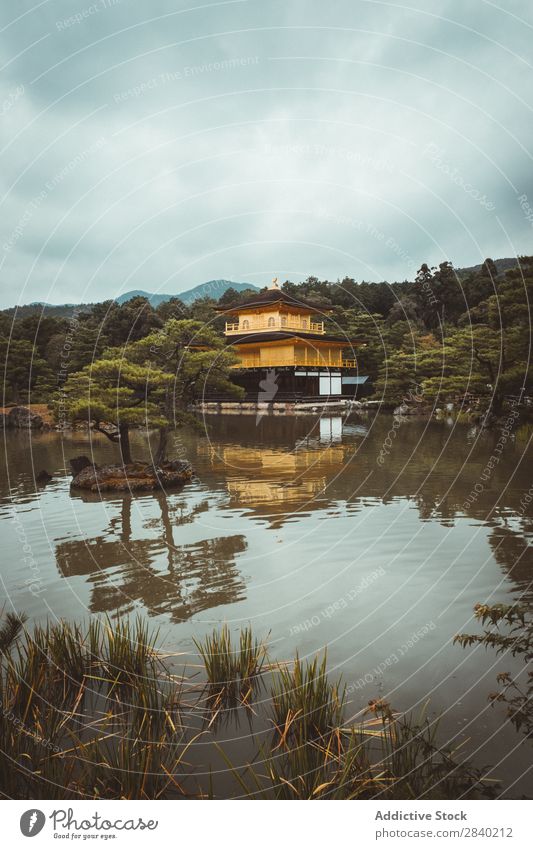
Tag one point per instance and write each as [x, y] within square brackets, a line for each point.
[294, 383]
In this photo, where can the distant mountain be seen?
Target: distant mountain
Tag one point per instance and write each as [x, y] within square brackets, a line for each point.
[502, 265]
[140, 293]
[212, 289]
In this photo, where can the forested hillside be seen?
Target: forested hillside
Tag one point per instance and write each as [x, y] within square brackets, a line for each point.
[445, 333]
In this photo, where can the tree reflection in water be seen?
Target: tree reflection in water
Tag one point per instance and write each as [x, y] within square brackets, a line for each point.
[278, 472]
[179, 580]
[289, 468]
[287, 517]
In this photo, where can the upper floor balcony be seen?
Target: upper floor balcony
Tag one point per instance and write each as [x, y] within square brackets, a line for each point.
[258, 325]
[309, 357]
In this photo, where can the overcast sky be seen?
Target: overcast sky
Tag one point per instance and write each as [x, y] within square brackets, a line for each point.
[159, 145]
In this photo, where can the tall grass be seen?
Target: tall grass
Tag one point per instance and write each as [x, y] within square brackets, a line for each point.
[305, 704]
[233, 671]
[10, 630]
[384, 757]
[94, 713]
[89, 712]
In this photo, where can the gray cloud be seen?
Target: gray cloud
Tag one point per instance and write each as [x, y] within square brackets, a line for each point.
[149, 146]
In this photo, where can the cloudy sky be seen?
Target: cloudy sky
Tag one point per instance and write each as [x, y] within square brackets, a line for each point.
[158, 145]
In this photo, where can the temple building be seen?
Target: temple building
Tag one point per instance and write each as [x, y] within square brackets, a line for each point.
[284, 350]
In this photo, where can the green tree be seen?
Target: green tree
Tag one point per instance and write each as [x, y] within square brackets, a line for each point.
[205, 310]
[200, 363]
[173, 308]
[151, 383]
[356, 324]
[26, 375]
[511, 632]
[397, 377]
[114, 394]
[229, 298]
[409, 355]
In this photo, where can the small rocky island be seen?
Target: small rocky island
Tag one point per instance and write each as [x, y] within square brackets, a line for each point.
[132, 477]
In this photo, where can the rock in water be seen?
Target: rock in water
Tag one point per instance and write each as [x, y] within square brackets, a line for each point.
[79, 463]
[21, 417]
[43, 478]
[134, 477]
[402, 410]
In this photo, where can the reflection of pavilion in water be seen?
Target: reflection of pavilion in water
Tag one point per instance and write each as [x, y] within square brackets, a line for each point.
[166, 578]
[279, 481]
[326, 468]
[136, 561]
[287, 468]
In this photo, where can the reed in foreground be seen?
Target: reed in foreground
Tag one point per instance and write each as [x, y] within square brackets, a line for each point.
[88, 713]
[95, 713]
[233, 670]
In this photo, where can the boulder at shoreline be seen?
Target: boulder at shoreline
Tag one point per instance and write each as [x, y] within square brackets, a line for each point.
[22, 417]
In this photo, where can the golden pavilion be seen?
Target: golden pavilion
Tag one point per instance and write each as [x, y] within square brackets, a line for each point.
[284, 350]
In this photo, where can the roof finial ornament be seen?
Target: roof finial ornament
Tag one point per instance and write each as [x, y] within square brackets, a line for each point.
[274, 283]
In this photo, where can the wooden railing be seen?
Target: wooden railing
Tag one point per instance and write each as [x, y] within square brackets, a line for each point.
[256, 326]
[273, 361]
[315, 358]
[309, 359]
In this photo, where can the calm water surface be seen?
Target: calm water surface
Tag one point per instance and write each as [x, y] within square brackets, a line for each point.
[292, 525]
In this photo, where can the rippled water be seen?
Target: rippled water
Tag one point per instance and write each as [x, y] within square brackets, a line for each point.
[295, 525]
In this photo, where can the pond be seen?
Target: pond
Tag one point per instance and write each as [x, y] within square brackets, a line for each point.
[375, 541]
